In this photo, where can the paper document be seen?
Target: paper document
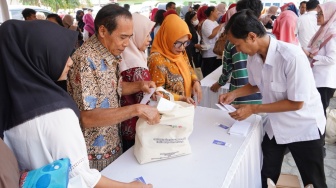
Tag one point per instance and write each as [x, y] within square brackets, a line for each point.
[240, 128]
[226, 107]
[147, 96]
[165, 105]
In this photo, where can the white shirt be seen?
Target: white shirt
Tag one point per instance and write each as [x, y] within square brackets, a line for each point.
[85, 35]
[306, 27]
[207, 28]
[325, 67]
[286, 74]
[49, 137]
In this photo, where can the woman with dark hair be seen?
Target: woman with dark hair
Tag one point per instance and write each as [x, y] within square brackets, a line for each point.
[210, 33]
[39, 120]
[158, 19]
[55, 18]
[194, 48]
[79, 19]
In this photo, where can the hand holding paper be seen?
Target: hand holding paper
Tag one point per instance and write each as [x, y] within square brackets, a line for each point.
[226, 98]
[243, 111]
[226, 107]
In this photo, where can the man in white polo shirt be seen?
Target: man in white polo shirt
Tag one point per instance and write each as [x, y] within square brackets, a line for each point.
[282, 74]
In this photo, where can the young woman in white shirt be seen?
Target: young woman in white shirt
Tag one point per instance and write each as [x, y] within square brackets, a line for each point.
[210, 32]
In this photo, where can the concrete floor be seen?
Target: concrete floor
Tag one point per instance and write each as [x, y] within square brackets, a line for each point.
[289, 167]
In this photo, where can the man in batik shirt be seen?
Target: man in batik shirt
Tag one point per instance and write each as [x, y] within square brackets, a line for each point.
[95, 84]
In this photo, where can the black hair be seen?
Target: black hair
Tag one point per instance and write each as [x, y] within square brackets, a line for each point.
[127, 6]
[312, 4]
[27, 12]
[169, 4]
[57, 18]
[79, 17]
[208, 11]
[303, 2]
[196, 7]
[255, 5]
[107, 16]
[243, 22]
[188, 16]
[159, 17]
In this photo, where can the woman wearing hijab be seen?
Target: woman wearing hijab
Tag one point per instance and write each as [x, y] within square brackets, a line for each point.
[284, 27]
[221, 7]
[322, 52]
[134, 68]
[89, 28]
[289, 6]
[39, 119]
[168, 62]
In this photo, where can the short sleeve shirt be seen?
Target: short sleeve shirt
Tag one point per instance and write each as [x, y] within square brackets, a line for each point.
[286, 74]
[94, 82]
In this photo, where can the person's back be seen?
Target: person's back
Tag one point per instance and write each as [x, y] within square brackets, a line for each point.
[307, 23]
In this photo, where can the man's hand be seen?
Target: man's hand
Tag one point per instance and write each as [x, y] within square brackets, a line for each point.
[145, 85]
[215, 87]
[227, 98]
[149, 113]
[243, 111]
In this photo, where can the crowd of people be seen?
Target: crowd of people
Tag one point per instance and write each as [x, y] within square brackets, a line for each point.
[74, 89]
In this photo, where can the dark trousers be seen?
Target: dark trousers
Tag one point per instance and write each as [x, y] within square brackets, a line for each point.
[326, 94]
[210, 64]
[307, 155]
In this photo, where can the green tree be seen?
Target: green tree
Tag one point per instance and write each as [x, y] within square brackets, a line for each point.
[54, 4]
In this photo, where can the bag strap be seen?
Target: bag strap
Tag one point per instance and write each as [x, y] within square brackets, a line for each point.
[171, 96]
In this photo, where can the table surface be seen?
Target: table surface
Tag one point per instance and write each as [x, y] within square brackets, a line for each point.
[210, 98]
[206, 167]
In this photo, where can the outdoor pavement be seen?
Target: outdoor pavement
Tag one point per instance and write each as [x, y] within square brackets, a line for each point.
[289, 167]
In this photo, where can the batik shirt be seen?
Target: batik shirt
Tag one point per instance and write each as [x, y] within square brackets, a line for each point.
[94, 82]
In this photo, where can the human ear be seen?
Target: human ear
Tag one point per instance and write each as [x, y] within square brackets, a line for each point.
[252, 36]
[102, 30]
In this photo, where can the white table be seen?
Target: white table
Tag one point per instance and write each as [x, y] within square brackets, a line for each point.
[210, 98]
[209, 165]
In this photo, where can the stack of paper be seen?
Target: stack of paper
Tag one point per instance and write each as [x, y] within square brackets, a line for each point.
[240, 128]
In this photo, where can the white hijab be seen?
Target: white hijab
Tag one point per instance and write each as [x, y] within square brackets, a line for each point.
[132, 56]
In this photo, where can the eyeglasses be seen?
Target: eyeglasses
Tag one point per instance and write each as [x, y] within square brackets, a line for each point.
[319, 14]
[178, 44]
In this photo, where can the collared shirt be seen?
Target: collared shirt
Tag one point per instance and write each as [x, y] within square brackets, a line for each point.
[94, 82]
[286, 74]
[306, 27]
[325, 66]
[234, 68]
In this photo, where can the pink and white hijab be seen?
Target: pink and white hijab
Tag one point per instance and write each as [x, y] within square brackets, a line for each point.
[326, 32]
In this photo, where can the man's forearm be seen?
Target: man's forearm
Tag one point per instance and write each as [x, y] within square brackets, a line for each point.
[279, 106]
[100, 117]
[248, 89]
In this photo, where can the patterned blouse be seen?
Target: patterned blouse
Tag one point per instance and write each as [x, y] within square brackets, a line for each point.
[94, 82]
[166, 74]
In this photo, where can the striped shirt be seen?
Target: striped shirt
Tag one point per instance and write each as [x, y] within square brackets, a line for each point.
[234, 68]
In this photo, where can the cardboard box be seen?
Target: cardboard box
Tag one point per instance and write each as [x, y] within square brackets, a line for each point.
[288, 181]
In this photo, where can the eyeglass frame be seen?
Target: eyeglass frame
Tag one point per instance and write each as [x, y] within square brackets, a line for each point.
[178, 44]
[319, 14]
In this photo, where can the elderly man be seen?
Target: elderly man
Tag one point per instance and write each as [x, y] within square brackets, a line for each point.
[95, 84]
